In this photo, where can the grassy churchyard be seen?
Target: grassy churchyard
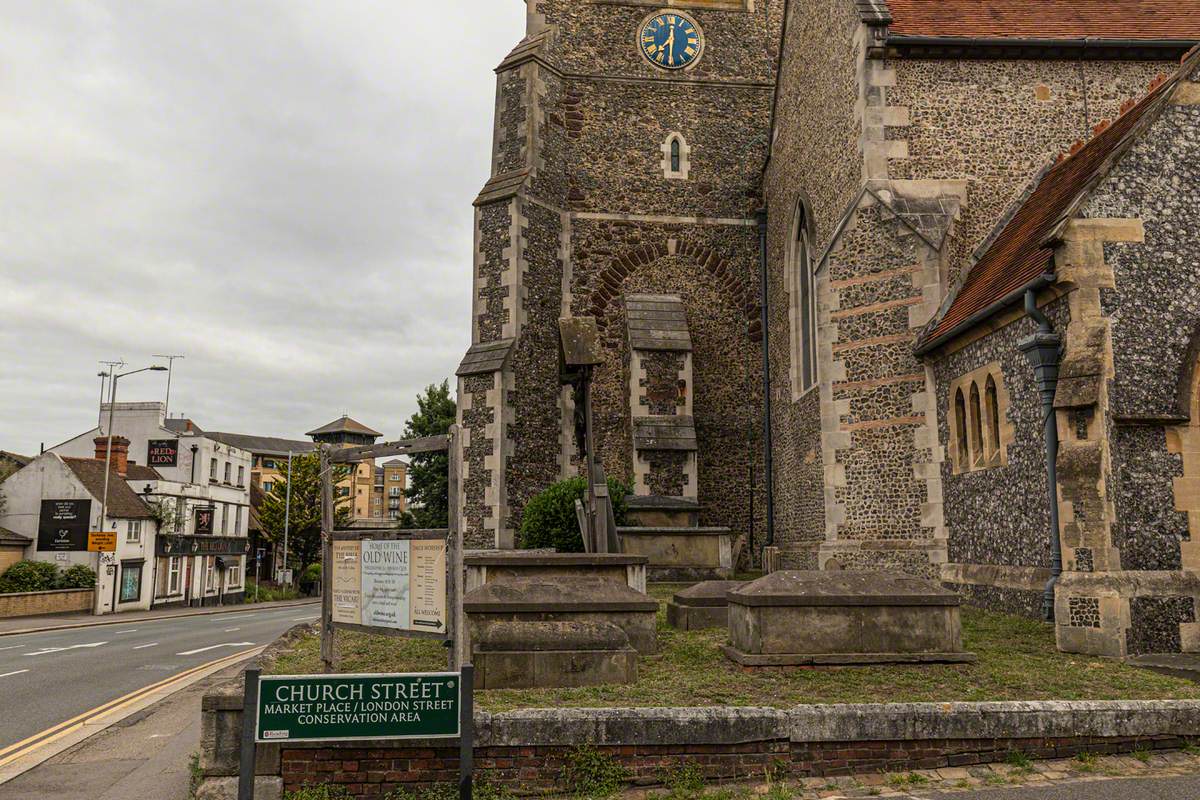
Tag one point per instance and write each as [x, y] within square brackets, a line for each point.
[1017, 661]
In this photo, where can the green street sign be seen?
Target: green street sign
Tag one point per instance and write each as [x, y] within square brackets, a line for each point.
[343, 707]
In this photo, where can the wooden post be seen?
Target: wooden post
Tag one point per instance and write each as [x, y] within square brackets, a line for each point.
[454, 542]
[466, 731]
[246, 756]
[326, 559]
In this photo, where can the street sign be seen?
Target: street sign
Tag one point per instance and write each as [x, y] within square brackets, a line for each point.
[102, 541]
[347, 707]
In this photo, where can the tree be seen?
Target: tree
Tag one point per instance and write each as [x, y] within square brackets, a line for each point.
[428, 491]
[304, 533]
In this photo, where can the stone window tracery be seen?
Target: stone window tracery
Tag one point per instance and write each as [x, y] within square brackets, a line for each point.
[802, 306]
[676, 160]
[977, 419]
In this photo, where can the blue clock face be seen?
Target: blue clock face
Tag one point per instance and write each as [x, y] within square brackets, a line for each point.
[671, 40]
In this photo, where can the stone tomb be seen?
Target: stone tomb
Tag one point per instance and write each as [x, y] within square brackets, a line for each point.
[518, 654]
[794, 618]
[705, 605]
[494, 565]
[562, 599]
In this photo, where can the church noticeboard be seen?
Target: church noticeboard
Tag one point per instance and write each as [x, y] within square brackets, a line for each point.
[63, 525]
[398, 584]
[347, 584]
[385, 583]
[162, 453]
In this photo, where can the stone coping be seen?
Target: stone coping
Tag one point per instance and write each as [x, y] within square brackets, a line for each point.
[812, 588]
[553, 595]
[542, 559]
[842, 659]
[707, 594]
[673, 531]
[508, 636]
[655, 502]
[728, 725]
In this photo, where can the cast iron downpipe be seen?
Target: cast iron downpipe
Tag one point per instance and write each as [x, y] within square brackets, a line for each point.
[768, 466]
[1043, 350]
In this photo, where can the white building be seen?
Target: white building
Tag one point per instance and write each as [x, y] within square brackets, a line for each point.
[199, 492]
[55, 501]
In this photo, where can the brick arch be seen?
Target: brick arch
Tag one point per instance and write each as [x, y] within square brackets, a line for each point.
[740, 292]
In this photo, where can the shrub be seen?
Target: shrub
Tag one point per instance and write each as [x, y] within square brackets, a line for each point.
[29, 576]
[311, 574]
[79, 576]
[593, 774]
[268, 594]
[549, 519]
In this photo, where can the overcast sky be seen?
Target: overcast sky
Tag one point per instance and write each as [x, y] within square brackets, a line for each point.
[278, 189]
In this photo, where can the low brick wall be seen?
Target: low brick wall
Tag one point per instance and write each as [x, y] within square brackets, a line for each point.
[55, 601]
[527, 750]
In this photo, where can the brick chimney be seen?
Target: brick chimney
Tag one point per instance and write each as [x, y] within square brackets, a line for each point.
[120, 452]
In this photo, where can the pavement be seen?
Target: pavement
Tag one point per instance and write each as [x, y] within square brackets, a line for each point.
[146, 756]
[60, 676]
[1177, 788]
[14, 625]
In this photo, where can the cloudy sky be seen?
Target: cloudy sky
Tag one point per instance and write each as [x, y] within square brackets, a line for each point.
[278, 189]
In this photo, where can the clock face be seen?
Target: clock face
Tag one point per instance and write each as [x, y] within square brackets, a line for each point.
[671, 40]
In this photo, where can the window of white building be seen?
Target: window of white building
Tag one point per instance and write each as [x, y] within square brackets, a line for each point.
[133, 531]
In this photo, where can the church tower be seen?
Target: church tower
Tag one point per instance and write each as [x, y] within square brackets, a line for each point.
[629, 141]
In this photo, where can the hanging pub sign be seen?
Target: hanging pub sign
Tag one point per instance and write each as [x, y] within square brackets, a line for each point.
[204, 520]
[63, 525]
[162, 453]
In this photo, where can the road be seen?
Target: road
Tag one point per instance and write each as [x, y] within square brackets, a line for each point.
[49, 677]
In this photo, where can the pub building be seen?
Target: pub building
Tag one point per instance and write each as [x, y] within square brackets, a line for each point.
[181, 518]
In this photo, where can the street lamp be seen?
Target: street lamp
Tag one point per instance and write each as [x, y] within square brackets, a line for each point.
[113, 377]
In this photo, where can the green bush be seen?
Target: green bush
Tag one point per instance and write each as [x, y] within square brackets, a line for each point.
[79, 576]
[549, 519]
[311, 574]
[269, 594]
[29, 576]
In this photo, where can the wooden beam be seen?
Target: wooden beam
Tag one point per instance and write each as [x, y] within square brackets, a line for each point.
[401, 447]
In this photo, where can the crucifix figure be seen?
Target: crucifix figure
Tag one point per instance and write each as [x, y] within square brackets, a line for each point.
[579, 354]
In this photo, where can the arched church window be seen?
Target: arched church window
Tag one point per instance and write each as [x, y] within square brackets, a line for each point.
[802, 305]
[960, 430]
[675, 160]
[976, 427]
[991, 408]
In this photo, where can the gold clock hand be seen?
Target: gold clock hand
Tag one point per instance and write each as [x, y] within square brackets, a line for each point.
[671, 45]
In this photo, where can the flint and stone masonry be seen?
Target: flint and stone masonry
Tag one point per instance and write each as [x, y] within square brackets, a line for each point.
[898, 166]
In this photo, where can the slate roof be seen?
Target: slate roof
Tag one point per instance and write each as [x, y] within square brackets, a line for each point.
[123, 501]
[262, 445]
[13, 538]
[1023, 248]
[485, 357]
[15, 458]
[181, 425]
[344, 425]
[657, 322]
[1048, 19]
[138, 472]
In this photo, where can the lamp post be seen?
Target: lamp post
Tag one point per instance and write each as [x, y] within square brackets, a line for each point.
[113, 377]
[287, 512]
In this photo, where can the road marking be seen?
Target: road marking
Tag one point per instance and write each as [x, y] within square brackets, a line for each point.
[131, 630]
[214, 647]
[17, 672]
[231, 630]
[142, 646]
[302, 619]
[47, 650]
[12, 647]
[54, 732]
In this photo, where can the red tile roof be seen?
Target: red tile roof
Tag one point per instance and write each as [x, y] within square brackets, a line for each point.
[1023, 249]
[1048, 19]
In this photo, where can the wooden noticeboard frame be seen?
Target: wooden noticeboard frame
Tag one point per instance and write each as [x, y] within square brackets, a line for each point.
[452, 536]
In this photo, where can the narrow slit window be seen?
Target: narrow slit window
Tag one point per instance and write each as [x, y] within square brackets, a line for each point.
[674, 155]
[960, 429]
[976, 426]
[803, 312]
[991, 401]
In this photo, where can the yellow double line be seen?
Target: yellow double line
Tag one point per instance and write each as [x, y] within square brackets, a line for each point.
[55, 732]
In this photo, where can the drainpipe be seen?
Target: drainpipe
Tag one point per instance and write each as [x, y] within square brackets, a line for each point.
[768, 465]
[1043, 351]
